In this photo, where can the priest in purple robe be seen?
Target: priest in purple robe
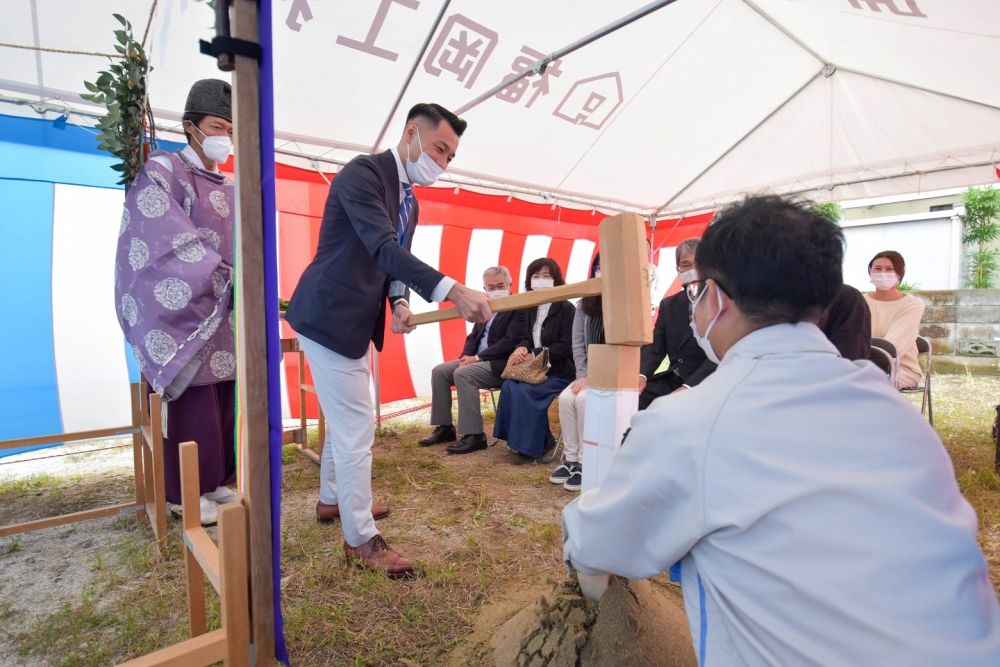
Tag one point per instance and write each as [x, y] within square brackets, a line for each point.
[174, 292]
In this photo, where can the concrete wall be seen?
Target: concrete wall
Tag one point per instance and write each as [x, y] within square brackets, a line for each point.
[963, 327]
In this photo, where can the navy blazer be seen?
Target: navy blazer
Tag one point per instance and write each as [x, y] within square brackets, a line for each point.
[340, 301]
[505, 334]
[672, 338]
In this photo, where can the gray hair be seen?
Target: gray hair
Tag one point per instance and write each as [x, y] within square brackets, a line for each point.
[687, 245]
[497, 270]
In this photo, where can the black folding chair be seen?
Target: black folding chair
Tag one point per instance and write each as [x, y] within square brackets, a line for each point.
[924, 348]
[881, 358]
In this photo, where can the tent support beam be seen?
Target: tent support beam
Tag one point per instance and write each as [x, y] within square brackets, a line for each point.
[958, 98]
[854, 181]
[785, 31]
[539, 65]
[409, 77]
[738, 142]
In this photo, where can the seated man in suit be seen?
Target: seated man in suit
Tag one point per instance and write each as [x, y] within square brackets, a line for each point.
[483, 360]
[672, 339]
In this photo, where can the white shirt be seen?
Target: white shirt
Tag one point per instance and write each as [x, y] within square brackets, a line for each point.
[187, 152]
[536, 330]
[397, 287]
[816, 513]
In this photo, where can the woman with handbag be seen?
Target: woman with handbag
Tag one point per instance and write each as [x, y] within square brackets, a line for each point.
[538, 369]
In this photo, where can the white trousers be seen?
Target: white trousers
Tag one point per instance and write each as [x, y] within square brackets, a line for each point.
[345, 471]
[571, 416]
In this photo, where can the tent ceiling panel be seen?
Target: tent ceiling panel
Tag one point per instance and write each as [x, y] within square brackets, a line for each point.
[834, 117]
[676, 107]
[677, 123]
[903, 47]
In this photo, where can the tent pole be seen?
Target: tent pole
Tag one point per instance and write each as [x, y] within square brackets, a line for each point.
[409, 76]
[539, 65]
[251, 364]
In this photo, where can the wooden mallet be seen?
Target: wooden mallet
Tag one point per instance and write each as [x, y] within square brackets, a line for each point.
[623, 284]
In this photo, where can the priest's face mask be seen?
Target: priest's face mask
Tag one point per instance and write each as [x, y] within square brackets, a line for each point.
[209, 126]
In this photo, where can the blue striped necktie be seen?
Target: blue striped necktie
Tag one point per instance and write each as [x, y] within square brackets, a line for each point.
[404, 212]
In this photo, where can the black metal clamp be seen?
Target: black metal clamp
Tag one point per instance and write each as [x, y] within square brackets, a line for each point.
[225, 47]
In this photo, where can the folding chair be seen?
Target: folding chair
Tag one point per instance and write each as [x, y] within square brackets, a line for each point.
[881, 358]
[886, 345]
[924, 348]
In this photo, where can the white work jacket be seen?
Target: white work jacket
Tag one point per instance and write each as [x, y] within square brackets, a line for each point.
[814, 512]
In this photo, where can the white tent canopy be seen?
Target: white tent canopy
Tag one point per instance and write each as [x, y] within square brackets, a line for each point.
[679, 111]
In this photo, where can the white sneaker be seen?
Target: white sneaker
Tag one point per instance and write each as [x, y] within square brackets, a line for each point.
[223, 495]
[209, 512]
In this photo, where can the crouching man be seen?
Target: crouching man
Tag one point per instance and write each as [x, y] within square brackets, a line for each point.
[812, 514]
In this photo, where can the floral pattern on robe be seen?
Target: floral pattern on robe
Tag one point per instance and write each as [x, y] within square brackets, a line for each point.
[174, 274]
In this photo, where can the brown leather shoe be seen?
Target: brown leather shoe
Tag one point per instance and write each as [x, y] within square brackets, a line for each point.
[326, 512]
[375, 554]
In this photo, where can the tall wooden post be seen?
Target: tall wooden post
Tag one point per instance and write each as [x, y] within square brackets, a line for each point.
[613, 369]
[252, 368]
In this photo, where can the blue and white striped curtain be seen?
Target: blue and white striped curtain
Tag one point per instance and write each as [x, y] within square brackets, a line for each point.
[64, 365]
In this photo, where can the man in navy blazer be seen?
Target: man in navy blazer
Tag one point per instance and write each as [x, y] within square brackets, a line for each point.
[362, 262]
[480, 365]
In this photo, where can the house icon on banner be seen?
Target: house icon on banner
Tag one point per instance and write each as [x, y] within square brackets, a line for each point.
[591, 101]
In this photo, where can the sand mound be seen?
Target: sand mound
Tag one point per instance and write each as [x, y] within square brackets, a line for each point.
[635, 623]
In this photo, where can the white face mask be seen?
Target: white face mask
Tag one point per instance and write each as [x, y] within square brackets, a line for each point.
[703, 342]
[216, 148]
[688, 276]
[498, 293]
[425, 170]
[542, 283]
[884, 281]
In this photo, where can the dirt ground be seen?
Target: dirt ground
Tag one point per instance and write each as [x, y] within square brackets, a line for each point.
[484, 530]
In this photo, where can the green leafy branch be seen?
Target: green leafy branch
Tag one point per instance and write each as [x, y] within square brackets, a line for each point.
[122, 90]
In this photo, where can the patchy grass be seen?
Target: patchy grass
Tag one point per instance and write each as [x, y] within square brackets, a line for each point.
[481, 528]
[42, 495]
[964, 411]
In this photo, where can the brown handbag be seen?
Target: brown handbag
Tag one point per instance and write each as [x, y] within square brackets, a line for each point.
[533, 370]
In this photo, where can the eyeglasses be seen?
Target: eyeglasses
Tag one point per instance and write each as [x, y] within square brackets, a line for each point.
[696, 288]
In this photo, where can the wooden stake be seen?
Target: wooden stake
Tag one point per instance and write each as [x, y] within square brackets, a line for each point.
[137, 445]
[233, 583]
[156, 494]
[191, 516]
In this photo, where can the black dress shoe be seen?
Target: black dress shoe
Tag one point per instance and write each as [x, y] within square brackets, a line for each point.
[441, 434]
[468, 444]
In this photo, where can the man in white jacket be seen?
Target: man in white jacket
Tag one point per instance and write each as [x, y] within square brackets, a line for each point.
[811, 514]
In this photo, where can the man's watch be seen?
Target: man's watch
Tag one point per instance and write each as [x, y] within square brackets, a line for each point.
[477, 358]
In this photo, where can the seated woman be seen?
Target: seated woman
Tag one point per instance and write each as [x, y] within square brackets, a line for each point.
[588, 329]
[523, 410]
[895, 315]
